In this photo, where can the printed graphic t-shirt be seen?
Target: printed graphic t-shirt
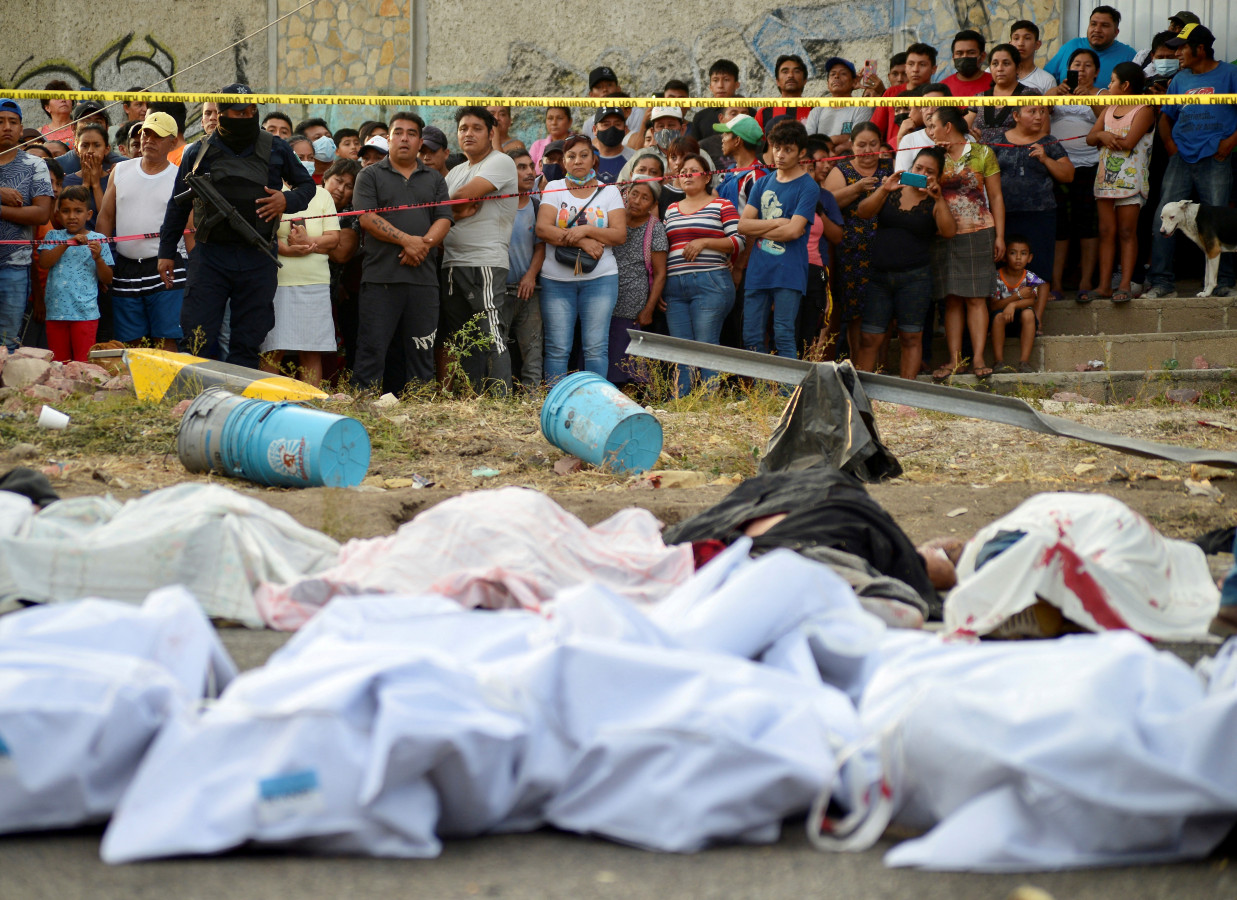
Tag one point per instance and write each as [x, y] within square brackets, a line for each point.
[566, 208]
[775, 264]
[73, 284]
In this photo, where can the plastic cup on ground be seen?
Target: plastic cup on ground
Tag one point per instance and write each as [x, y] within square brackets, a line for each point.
[52, 418]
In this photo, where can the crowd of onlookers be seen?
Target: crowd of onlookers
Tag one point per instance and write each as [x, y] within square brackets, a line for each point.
[811, 229]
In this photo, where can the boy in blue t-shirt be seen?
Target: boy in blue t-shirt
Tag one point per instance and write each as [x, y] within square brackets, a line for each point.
[77, 270]
[779, 212]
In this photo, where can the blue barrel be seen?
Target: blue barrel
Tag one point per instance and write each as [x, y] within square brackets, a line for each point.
[280, 444]
[588, 417]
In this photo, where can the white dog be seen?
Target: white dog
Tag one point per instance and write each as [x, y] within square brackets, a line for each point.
[1213, 228]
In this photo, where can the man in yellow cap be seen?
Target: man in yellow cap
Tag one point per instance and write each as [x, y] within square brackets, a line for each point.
[136, 199]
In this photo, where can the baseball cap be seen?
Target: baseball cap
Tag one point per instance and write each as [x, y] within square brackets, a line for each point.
[601, 73]
[378, 144]
[553, 147]
[234, 88]
[1194, 35]
[432, 137]
[610, 111]
[661, 111]
[1185, 17]
[87, 108]
[838, 61]
[741, 126]
[160, 123]
[10, 106]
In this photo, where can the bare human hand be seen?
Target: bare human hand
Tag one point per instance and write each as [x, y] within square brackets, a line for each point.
[274, 206]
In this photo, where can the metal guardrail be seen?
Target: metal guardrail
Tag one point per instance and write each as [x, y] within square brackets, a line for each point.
[972, 404]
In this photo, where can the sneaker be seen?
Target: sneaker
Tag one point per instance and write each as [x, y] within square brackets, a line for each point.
[1136, 288]
[1222, 291]
[1158, 291]
[1039, 621]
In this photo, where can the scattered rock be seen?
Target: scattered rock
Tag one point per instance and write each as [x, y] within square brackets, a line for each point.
[1120, 473]
[386, 401]
[727, 480]
[568, 465]
[43, 392]
[87, 372]
[23, 451]
[23, 371]
[340, 398]
[1091, 365]
[119, 383]
[32, 353]
[1203, 488]
[394, 484]
[7, 392]
[1083, 468]
[954, 513]
[179, 410]
[1200, 362]
[1070, 397]
[68, 385]
[1182, 395]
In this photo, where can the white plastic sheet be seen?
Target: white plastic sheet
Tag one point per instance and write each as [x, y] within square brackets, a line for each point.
[1102, 564]
[510, 547]
[84, 689]
[390, 722]
[217, 542]
[1082, 751]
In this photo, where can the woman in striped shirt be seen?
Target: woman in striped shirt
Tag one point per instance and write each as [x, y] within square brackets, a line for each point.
[704, 234]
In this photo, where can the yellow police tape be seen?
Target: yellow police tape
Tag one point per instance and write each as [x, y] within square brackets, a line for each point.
[716, 102]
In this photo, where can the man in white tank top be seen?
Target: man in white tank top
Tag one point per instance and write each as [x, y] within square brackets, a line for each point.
[136, 200]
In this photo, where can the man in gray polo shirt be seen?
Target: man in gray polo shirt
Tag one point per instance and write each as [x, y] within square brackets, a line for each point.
[399, 287]
[474, 261]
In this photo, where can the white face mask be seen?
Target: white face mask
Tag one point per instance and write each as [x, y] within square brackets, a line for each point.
[1164, 67]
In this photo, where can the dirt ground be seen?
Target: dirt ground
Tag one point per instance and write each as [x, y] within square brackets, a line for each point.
[959, 473]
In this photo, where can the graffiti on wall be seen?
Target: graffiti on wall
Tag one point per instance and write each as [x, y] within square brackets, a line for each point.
[126, 62]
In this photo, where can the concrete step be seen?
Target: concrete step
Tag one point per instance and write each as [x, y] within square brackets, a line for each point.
[1118, 352]
[1103, 387]
[1158, 316]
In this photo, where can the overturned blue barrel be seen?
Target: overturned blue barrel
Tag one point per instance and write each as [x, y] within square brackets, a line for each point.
[588, 417]
[277, 444]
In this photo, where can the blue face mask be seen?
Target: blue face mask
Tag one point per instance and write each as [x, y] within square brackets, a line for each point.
[324, 148]
[309, 165]
[1166, 67]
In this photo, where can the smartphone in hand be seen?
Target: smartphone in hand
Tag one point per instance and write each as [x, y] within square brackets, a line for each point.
[913, 179]
[1071, 79]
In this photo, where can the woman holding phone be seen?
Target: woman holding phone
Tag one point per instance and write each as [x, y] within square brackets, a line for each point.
[1077, 217]
[910, 211]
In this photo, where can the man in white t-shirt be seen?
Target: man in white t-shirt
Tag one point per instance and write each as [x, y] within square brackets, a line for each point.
[1024, 35]
[836, 123]
[475, 260]
[137, 196]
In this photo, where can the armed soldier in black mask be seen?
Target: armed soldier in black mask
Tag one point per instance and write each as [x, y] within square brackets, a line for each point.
[247, 169]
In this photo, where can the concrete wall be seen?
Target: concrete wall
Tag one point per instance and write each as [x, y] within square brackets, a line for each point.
[517, 48]
[96, 47]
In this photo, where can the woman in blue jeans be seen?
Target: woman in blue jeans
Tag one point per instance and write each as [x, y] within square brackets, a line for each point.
[900, 282]
[704, 234]
[580, 219]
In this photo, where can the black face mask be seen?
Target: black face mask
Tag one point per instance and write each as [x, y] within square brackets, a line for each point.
[237, 134]
[967, 66]
[610, 137]
[553, 172]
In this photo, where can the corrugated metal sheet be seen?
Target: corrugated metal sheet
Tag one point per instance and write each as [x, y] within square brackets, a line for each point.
[1142, 19]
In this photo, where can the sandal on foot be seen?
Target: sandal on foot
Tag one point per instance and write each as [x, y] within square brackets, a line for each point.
[1004, 369]
[1056, 295]
[982, 371]
[1086, 296]
[1025, 368]
[1121, 296]
[945, 372]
